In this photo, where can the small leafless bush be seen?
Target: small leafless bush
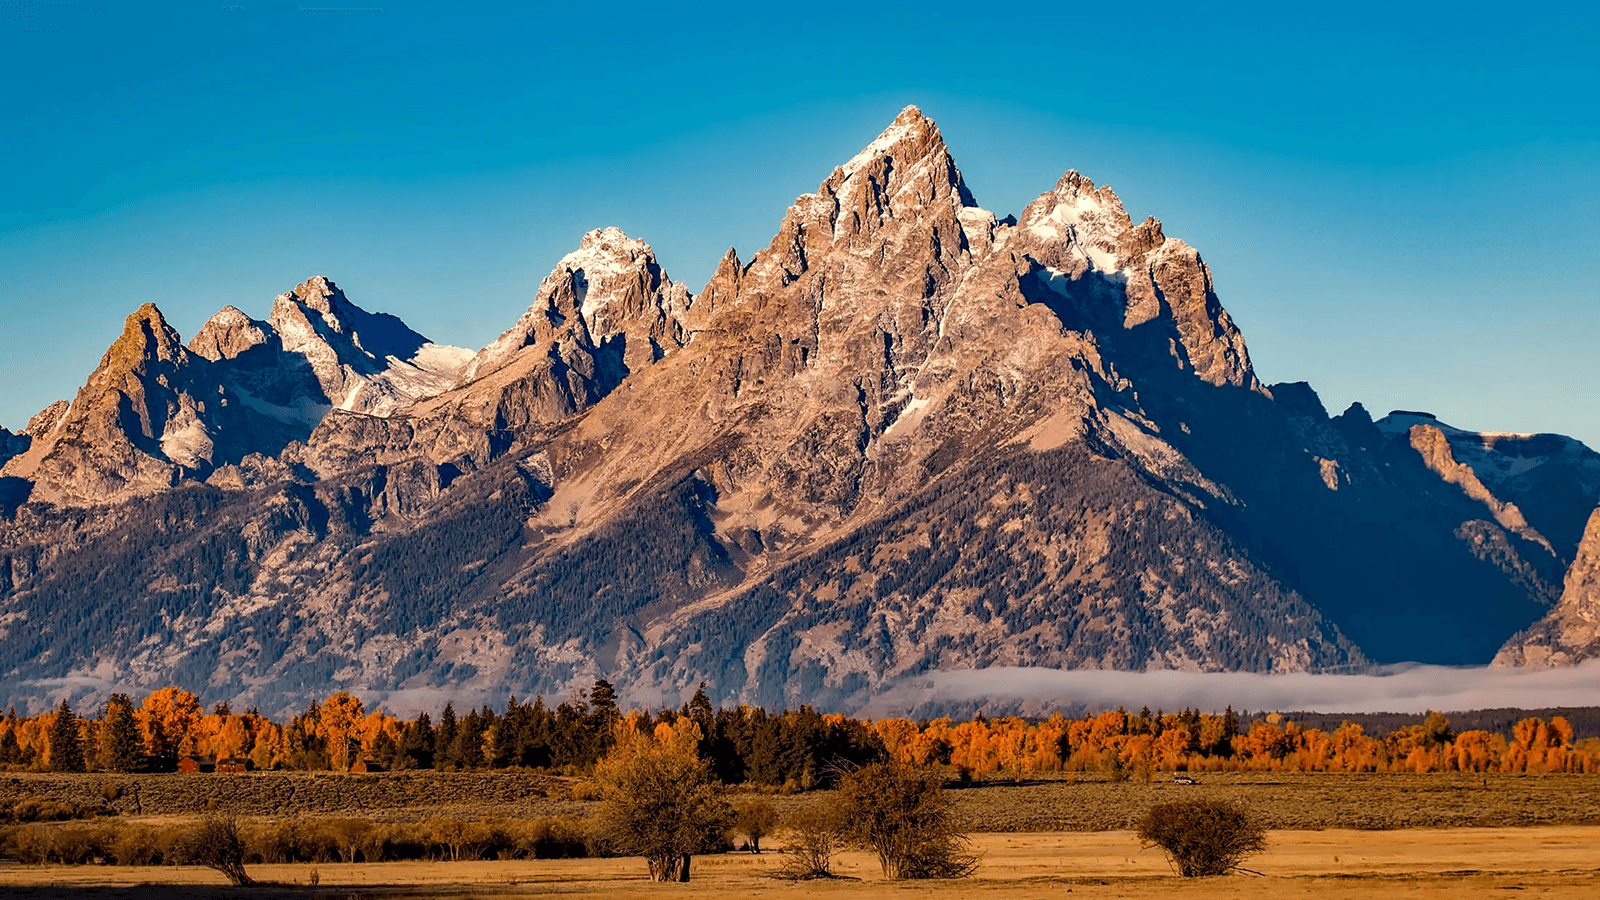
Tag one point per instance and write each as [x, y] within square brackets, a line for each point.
[1202, 837]
[217, 843]
[32, 809]
[814, 839]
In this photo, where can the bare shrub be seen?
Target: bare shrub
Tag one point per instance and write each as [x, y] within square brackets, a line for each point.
[1202, 837]
[903, 814]
[74, 845]
[352, 837]
[456, 839]
[33, 809]
[294, 841]
[754, 817]
[217, 844]
[554, 839]
[137, 845]
[814, 839]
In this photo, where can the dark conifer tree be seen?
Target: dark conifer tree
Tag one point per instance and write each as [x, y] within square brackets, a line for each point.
[603, 698]
[699, 709]
[384, 750]
[120, 743]
[444, 737]
[466, 751]
[415, 749]
[66, 741]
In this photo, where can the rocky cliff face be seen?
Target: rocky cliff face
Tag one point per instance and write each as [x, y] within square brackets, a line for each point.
[12, 445]
[1547, 482]
[905, 435]
[1570, 634]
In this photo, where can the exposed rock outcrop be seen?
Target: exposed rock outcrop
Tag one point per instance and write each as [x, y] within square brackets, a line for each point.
[1570, 634]
[12, 444]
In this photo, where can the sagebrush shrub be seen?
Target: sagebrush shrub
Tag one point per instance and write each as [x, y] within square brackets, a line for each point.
[1202, 837]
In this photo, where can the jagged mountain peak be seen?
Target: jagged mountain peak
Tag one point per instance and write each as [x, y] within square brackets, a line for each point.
[318, 292]
[614, 272]
[371, 363]
[605, 311]
[318, 312]
[610, 238]
[228, 334]
[146, 338]
[1079, 218]
[145, 415]
[911, 137]
[900, 200]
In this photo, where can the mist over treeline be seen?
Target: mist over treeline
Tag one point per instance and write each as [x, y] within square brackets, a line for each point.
[792, 749]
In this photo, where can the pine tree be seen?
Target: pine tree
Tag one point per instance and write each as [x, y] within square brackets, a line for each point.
[444, 737]
[10, 750]
[603, 697]
[120, 744]
[415, 750]
[699, 708]
[66, 741]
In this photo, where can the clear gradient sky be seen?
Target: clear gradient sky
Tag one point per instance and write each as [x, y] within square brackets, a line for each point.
[1399, 205]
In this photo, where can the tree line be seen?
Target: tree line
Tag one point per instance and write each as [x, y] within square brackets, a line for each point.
[797, 749]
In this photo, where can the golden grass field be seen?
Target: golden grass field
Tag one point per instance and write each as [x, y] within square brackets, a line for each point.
[1547, 861]
[1334, 836]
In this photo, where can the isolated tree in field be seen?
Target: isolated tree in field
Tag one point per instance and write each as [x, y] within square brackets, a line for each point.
[217, 844]
[66, 741]
[1202, 837]
[903, 814]
[120, 743]
[754, 818]
[659, 800]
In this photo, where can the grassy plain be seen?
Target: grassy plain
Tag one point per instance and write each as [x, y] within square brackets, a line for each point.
[1334, 836]
[1550, 861]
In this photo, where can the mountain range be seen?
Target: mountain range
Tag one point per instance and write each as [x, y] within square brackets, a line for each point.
[907, 435]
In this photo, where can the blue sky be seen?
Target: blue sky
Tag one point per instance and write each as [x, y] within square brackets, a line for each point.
[1398, 205]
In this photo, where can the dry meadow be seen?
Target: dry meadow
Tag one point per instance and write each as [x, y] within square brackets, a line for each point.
[1550, 861]
[1334, 836]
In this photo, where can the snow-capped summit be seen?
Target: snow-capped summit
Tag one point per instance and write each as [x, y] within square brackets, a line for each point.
[609, 294]
[363, 362]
